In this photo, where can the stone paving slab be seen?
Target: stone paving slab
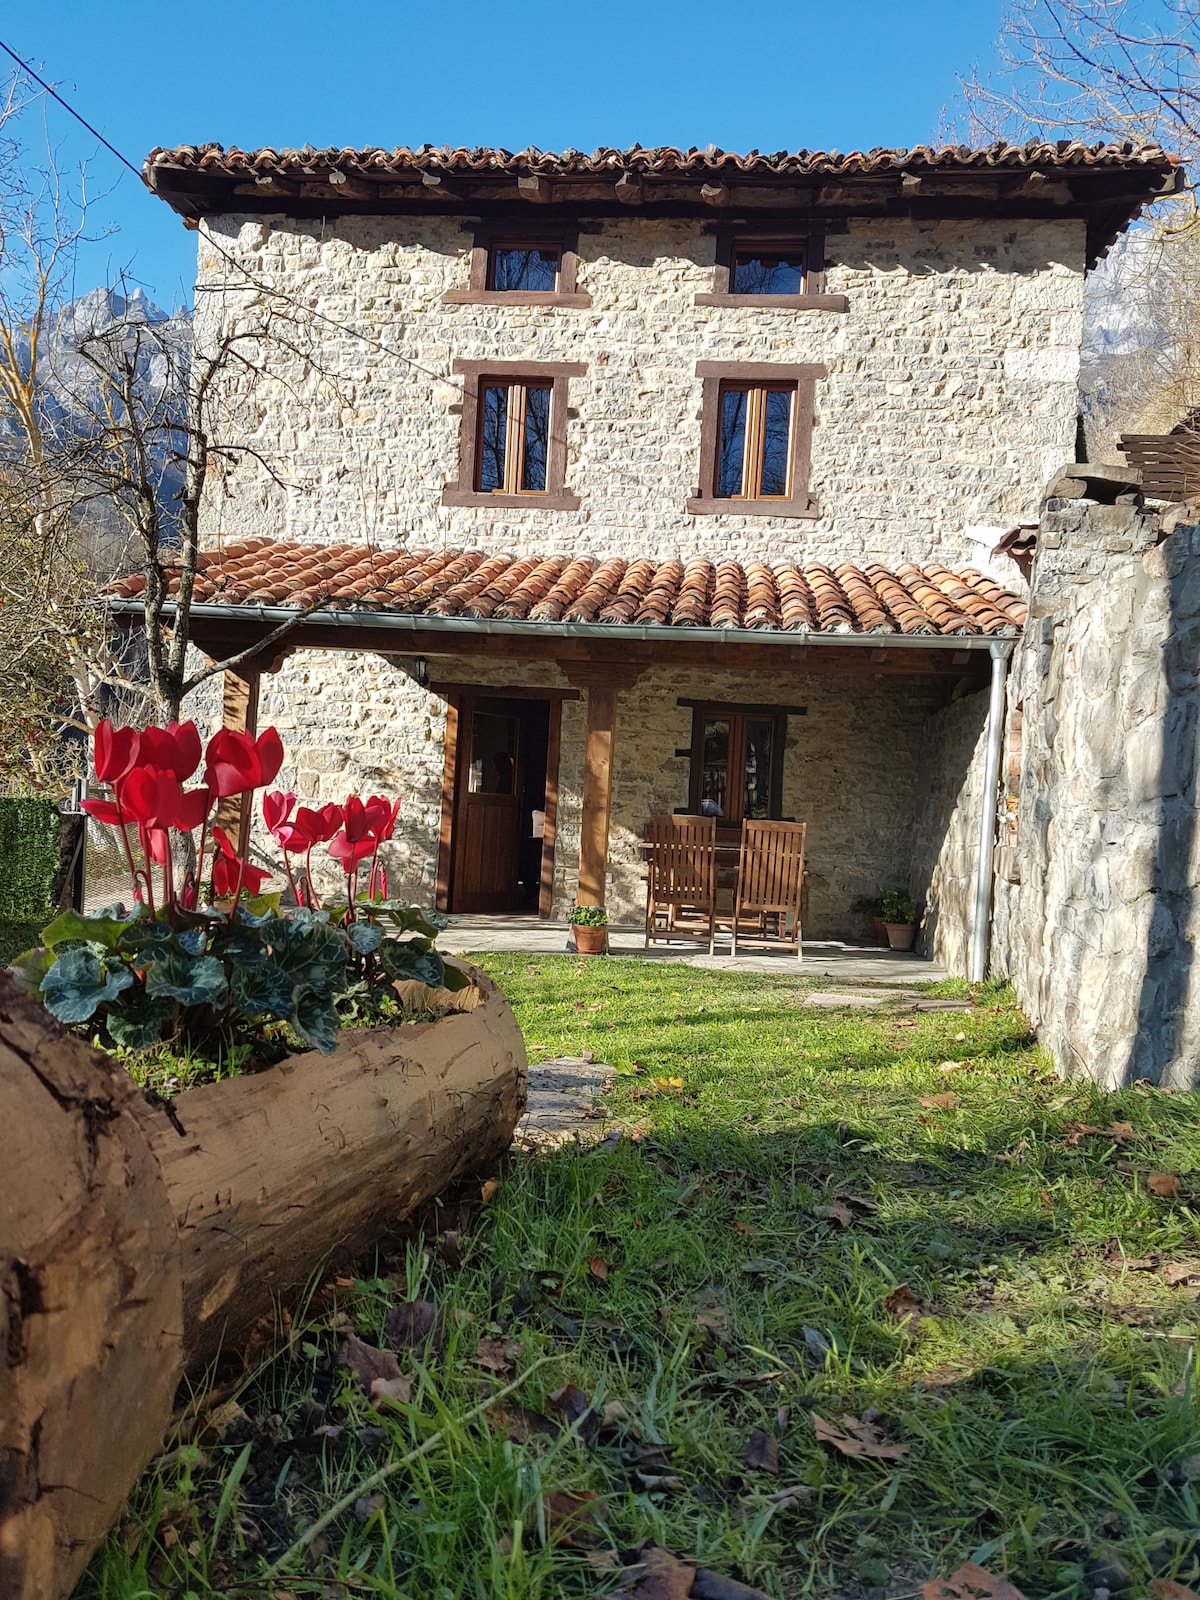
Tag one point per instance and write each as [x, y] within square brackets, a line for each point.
[562, 1102]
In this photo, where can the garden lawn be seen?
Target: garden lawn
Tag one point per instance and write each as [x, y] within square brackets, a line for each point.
[893, 1227]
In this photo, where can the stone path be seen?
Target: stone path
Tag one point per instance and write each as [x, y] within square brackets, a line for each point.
[562, 1102]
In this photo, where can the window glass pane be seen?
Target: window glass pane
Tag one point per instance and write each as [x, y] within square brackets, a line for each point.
[733, 442]
[756, 272]
[777, 433]
[493, 754]
[759, 732]
[492, 437]
[714, 776]
[533, 270]
[537, 438]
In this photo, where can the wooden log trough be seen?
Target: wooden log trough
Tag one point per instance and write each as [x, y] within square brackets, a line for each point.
[137, 1242]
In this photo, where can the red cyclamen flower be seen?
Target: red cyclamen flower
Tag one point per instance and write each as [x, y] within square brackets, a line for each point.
[114, 751]
[236, 762]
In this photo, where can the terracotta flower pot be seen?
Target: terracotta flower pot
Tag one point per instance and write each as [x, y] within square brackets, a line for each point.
[589, 940]
[880, 932]
[901, 935]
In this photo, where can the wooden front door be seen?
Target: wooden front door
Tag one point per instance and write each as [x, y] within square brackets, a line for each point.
[487, 826]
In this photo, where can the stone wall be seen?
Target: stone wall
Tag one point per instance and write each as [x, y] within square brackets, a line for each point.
[1099, 930]
[946, 836]
[949, 397]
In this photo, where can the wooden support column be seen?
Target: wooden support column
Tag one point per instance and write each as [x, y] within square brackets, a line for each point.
[602, 683]
[240, 714]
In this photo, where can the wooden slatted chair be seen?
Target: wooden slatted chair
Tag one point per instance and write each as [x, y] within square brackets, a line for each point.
[769, 882]
[681, 882]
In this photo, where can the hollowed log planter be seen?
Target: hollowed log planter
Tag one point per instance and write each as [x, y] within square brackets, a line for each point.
[136, 1243]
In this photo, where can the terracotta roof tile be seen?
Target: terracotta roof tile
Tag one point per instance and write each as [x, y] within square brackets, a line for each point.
[783, 597]
[374, 162]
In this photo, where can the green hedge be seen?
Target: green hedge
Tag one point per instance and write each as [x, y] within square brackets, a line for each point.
[28, 859]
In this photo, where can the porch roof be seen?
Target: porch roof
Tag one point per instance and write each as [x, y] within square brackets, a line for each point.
[613, 596]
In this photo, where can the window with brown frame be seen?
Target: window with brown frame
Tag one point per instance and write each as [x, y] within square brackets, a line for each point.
[775, 272]
[516, 266]
[737, 763]
[755, 439]
[512, 435]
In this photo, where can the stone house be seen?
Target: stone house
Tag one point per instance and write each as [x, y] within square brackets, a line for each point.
[643, 481]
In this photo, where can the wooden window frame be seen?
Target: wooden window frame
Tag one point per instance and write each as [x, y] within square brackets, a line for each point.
[518, 235]
[799, 502]
[737, 716]
[735, 241]
[475, 375]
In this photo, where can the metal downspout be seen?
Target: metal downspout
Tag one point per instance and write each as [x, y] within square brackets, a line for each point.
[987, 813]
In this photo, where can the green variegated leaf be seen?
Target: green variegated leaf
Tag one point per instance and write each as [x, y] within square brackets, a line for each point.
[364, 937]
[453, 978]
[145, 933]
[263, 990]
[315, 1020]
[79, 982]
[138, 1022]
[411, 961]
[192, 941]
[192, 980]
[241, 947]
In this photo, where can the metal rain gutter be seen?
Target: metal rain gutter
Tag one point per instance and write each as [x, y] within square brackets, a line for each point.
[415, 622]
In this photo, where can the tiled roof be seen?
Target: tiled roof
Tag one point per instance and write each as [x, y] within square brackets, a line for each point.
[668, 161]
[617, 592]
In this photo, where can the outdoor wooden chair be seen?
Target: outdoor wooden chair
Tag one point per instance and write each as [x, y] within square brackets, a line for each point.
[769, 883]
[681, 879]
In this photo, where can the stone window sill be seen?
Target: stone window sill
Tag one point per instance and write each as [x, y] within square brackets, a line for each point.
[562, 500]
[778, 302]
[700, 506]
[578, 301]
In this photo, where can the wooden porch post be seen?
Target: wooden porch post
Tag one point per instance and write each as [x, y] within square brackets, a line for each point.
[602, 684]
[240, 714]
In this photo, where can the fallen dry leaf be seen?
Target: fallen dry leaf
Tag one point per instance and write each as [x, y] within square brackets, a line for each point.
[1047, 1199]
[399, 1389]
[367, 1361]
[598, 1267]
[449, 1247]
[761, 1451]
[520, 1424]
[857, 1201]
[1164, 1184]
[666, 1085]
[796, 1494]
[857, 1438]
[571, 1518]
[940, 1102]
[413, 1322]
[959, 1038]
[1180, 1272]
[902, 1304]
[659, 1575]
[1120, 1132]
[970, 1583]
[1168, 1589]
[496, 1354]
[487, 1189]
[838, 1212]
[576, 1410]
[953, 1066]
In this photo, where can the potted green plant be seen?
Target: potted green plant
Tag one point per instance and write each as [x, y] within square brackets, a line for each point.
[899, 916]
[590, 927]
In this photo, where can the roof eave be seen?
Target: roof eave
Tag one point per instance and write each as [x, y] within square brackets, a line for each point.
[420, 622]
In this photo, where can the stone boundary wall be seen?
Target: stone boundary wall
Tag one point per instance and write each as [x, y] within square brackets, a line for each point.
[946, 831]
[1098, 929]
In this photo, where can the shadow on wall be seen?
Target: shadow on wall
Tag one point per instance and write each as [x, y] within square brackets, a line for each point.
[1165, 1048]
[945, 841]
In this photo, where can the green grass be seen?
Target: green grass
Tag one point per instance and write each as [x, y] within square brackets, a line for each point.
[1046, 1396]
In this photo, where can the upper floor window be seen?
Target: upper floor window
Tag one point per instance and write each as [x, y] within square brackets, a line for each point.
[514, 437]
[517, 265]
[512, 446]
[754, 270]
[755, 439]
[527, 269]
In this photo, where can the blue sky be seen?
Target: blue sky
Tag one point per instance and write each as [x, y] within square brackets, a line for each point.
[782, 74]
